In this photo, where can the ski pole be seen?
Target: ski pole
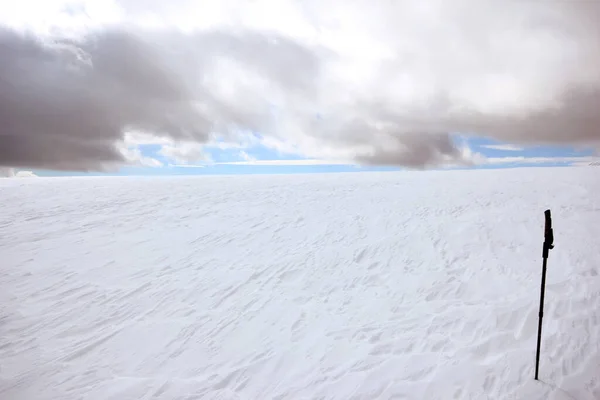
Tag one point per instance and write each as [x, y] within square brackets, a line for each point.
[548, 245]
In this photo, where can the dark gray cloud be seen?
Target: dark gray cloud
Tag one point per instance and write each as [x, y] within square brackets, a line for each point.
[66, 104]
[416, 150]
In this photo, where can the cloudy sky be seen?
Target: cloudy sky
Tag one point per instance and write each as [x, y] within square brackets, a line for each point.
[184, 86]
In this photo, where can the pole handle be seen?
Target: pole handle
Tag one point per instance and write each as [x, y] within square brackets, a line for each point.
[548, 234]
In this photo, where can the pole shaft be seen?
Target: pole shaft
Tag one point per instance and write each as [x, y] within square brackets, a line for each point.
[541, 314]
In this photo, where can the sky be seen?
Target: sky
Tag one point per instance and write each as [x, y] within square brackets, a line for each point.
[281, 86]
[259, 159]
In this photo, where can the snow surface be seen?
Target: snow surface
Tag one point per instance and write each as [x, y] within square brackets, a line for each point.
[412, 285]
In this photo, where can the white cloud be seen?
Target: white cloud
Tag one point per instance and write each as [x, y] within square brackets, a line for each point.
[184, 152]
[25, 174]
[179, 152]
[285, 162]
[540, 160]
[7, 172]
[246, 157]
[133, 156]
[188, 165]
[504, 147]
[11, 173]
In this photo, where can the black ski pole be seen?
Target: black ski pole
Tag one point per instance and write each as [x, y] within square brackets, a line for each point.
[548, 245]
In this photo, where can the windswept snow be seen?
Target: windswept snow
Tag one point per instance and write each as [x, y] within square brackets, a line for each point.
[340, 286]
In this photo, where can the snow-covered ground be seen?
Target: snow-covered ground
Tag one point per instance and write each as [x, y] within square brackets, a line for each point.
[415, 285]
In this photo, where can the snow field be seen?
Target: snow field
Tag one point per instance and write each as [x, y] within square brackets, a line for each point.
[414, 285]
